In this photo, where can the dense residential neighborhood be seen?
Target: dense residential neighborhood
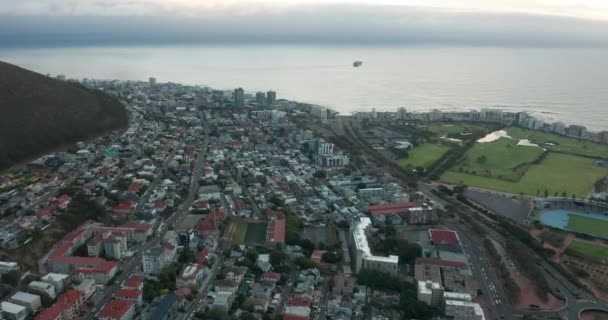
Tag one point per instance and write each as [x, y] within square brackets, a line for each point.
[225, 205]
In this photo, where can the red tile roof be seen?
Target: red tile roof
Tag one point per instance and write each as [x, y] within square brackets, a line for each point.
[70, 297]
[276, 231]
[442, 263]
[391, 208]
[299, 301]
[116, 309]
[274, 276]
[294, 317]
[50, 313]
[444, 237]
[134, 281]
[129, 293]
[317, 255]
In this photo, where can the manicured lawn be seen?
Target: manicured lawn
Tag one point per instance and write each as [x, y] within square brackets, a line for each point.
[588, 250]
[423, 155]
[236, 231]
[561, 143]
[594, 227]
[556, 173]
[498, 159]
[256, 233]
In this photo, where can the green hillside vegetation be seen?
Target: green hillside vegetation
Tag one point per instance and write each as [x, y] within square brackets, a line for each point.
[590, 226]
[554, 174]
[423, 155]
[587, 250]
[554, 142]
[502, 159]
[38, 113]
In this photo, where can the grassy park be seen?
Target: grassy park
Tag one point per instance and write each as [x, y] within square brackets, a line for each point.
[236, 230]
[590, 226]
[554, 174]
[502, 159]
[554, 142]
[423, 155]
[588, 250]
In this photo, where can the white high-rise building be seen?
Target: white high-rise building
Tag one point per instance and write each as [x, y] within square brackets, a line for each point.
[325, 148]
[364, 259]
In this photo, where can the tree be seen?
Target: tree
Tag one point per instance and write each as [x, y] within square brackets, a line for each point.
[304, 263]
[11, 278]
[320, 174]
[482, 159]
[546, 193]
[186, 255]
[330, 257]
[307, 245]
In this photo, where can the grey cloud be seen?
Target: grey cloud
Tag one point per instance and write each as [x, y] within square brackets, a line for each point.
[321, 24]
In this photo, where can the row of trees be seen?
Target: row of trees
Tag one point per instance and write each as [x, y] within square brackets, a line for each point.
[511, 287]
[408, 295]
[393, 244]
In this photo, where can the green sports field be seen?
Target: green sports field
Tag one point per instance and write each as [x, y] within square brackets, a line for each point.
[590, 226]
[556, 142]
[588, 250]
[256, 232]
[236, 230]
[502, 159]
[423, 155]
[556, 173]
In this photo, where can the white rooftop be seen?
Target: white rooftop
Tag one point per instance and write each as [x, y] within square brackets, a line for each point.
[25, 297]
[426, 287]
[362, 245]
[457, 296]
[55, 276]
[465, 304]
[12, 308]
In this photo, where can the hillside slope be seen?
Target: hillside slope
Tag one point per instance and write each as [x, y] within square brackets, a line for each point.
[38, 113]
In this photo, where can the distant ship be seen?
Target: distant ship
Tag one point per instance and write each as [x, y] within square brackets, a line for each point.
[357, 64]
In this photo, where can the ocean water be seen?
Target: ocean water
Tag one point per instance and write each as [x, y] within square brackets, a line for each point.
[569, 85]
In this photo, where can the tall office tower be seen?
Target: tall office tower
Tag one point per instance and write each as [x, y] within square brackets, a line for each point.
[260, 98]
[239, 97]
[271, 98]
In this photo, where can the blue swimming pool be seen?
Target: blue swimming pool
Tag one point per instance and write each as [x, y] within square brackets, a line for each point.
[559, 218]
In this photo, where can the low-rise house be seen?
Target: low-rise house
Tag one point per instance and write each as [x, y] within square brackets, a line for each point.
[193, 274]
[43, 288]
[58, 280]
[117, 310]
[130, 295]
[87, 287]
[222, 301]
[12, 311]
[135, 281]
[31, 301]
[226, 286]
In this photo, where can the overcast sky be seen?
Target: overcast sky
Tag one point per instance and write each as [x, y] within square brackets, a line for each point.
[529, 23]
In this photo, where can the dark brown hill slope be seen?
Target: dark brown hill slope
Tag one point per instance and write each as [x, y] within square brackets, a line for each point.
[38, 113]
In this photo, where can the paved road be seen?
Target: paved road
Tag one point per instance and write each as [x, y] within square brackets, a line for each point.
[576, 299]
